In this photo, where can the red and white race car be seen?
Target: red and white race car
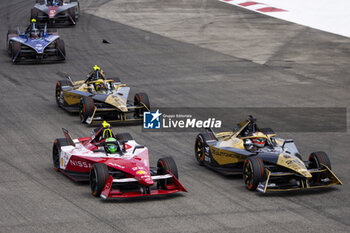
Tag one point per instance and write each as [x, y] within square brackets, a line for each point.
[124, 173]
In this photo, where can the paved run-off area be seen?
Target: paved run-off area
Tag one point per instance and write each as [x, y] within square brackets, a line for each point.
[182, 53]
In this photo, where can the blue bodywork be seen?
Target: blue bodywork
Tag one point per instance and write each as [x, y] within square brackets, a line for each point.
[35, 47]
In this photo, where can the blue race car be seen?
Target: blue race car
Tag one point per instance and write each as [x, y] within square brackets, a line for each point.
[37, 44]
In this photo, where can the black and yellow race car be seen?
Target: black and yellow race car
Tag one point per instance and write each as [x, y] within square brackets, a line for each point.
[268, 163]
[99, 99]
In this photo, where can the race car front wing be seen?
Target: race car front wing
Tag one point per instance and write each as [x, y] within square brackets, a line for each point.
[321, 178]
[110, 192]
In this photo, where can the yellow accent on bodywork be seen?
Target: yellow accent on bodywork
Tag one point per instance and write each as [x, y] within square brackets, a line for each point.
[294, 164]
[117, 102]
[72, 98]
[226, 157]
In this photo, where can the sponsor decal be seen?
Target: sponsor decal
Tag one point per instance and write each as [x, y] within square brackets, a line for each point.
[141, 172]
[116, 165]
[137, 168]
[127, 146]
[79, 163]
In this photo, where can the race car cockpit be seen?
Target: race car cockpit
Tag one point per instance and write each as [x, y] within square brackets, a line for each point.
[95, 74]
[54, 2]
[33, 30]
[253, 137]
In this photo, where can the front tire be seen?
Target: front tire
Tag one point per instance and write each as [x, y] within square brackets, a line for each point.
[141, 100]
[60, 49]
[318, 158]
[16, 50]
[98, 178]
[87, 106]
[166, 165]
[253, 172]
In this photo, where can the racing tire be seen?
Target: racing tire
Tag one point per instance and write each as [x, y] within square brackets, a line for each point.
[167, 164]
[87, 107]
[72, 13]
[10, 43]
[60, 49]
[56, 151]
[123, 137]
[141, 99]
[299, 156]
[59, 86]
[164, 165]
[200, 146]
[318, 158]
[98, 178]
[16, 50]
[253, 172]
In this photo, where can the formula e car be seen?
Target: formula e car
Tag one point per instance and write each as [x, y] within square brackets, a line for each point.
[118, 173]
[35, 44]
[55, 12]
[98, 99]
[268, 163]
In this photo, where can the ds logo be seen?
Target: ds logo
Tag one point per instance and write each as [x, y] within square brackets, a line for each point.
[151, 120]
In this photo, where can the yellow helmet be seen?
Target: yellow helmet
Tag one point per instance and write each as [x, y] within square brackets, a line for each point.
[33, 20]
[105, 124]
[96, 68]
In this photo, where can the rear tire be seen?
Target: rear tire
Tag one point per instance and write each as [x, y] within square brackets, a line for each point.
[87, 107]
[253, 172]
[141, 99]
[200, 146]
[59, 86]
[98, 177]
[56, 151]
[60, 49]
[72, 13]
[123, 137]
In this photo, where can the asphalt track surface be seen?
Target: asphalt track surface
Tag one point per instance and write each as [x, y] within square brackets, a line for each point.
[298, 66]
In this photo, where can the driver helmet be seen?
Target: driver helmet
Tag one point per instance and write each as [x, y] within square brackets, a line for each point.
[99, 85]
[97, 73]
[110, 147]
[35, 32]
[259, 142]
